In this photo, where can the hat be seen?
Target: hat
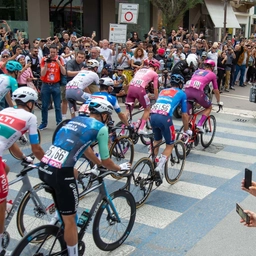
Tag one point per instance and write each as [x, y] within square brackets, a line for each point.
[5, 52]
[107, 67]
[204, 54]
[161, 51]
[20, 56]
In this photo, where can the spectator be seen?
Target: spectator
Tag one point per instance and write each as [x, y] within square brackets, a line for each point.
[51, 69]
[221, 66]
[67, 54]
[137, 61]
[124, 59]
[34, 60]
[186, 50]
[95, 55]
[202, 59]
[119, 80]
[107, 71]
[25, 76]
[5, 55]
[106, 52]
[172, 37]
[160, 56]
[178, 55]
[229, 66]
[213, 55]
[251, 66]
[135, 37]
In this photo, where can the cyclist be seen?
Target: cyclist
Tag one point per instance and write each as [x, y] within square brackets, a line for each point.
[77, 89]
[161, 119]
[8, 81]
[186, 67]
[57, 165]
[106, 87]
[137, 90]
[195, 91]
[14, 123]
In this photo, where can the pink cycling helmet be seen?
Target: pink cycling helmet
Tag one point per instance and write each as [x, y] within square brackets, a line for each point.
[154, 63]
[210, 62]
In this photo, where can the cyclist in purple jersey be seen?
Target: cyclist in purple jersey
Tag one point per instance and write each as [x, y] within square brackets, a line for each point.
[161, 119]
[195, 91]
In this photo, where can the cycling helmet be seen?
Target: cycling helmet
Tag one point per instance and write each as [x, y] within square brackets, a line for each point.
[25, 94]
[107, 81]
[100, 106]
[13, 65]
[210, 62]
[177, 79]
[84, 110]
[92, 63]
[192, 58]
[154, 63]
[204, 54]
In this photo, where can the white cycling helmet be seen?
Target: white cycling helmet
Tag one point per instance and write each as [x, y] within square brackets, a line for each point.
[107, 81]
[25, 94]
[92, 63]
[100, 106]
[192, 58]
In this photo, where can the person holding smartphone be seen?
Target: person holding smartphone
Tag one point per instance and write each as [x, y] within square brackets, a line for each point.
[124, 59]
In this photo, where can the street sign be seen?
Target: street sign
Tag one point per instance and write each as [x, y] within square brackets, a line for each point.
[128, 13]
[117, 33]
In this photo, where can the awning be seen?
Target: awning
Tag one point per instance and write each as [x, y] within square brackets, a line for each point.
[216, 11]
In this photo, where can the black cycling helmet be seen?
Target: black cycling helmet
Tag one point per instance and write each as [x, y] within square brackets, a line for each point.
[177, 79]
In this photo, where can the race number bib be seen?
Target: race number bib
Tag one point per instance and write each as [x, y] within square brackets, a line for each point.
[137, 82]
[73, 85]
[55, 157]
[196, 85]
[160, 108]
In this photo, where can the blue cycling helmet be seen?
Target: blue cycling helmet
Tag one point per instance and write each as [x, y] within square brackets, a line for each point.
[13, 65]
[177, 79]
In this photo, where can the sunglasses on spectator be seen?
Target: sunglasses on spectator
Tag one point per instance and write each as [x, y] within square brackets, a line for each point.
[87, 46]
[214, 48]
[5, 56]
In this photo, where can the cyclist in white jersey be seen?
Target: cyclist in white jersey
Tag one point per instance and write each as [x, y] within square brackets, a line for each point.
[14, 123]
[8, 81]
[77, 89]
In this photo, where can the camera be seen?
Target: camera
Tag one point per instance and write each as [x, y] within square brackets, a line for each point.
[48, 60]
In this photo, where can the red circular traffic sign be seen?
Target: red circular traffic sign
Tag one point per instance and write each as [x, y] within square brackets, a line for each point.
[128, 16]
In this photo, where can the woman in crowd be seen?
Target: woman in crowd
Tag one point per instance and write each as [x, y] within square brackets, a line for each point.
[221, 66]
[137, 61]
[67, 54]
[135, 37]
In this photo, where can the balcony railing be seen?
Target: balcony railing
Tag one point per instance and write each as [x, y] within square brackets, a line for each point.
[249, 2]
[243, 5]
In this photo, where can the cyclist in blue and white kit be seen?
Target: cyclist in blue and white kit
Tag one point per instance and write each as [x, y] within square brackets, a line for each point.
[106, 87]
[57, 165]
[161, 119]
[8, 81]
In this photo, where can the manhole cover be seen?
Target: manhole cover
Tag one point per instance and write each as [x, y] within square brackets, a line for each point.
[213, 148]
[241, 120]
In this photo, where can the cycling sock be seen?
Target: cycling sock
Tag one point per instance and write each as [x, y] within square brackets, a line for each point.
[162, 161]
[64, 116]
[73, 250]
[202, 120]
[142, 124]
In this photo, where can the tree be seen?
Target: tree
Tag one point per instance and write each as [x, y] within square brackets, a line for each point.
[173, 10]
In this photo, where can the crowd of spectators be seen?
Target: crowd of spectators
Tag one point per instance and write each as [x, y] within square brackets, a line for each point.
[233, 57]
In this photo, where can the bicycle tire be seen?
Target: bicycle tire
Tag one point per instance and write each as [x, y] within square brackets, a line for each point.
[39, 218]
[181, 137]
[176, 162]
[42, 236]
[141, 183]
[209, 128]
[119, 152]
[24, 144]
[125, 207]
[62, 123]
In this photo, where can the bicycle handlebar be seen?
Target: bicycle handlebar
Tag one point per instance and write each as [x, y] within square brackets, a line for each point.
[219, 105]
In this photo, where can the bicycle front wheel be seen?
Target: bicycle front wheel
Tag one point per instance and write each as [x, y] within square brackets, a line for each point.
[33, 213]
[62, 123]
[114, 220]
[209, 131]
[175, 165]
[141, 182]
[24, 144]
[44, 240]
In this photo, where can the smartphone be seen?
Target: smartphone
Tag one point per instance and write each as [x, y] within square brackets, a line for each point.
[242, 214]
[124, 51]
[247, 178]
[74, 33]
[52, 38]
[94, 32]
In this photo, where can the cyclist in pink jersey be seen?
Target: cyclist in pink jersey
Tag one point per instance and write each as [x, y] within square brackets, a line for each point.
[195, 91]
[137, 90]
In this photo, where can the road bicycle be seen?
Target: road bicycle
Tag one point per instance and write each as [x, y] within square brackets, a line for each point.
[114, 219]
[143, 172]
[34, 208]
[134, 120]
[24, 144]
[209, 127]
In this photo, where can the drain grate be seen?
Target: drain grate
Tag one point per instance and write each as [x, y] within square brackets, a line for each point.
[241, 120]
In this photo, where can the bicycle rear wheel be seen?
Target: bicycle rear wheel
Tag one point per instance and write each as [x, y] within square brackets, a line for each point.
[175, 165]
[24, 144]
[62, 123]
[141, 182]
[209, 131]
[181, 137]
[30, 213]
[113, 224]
[44, 240]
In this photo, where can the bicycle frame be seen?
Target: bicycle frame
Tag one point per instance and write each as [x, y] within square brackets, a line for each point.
[26, 187]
